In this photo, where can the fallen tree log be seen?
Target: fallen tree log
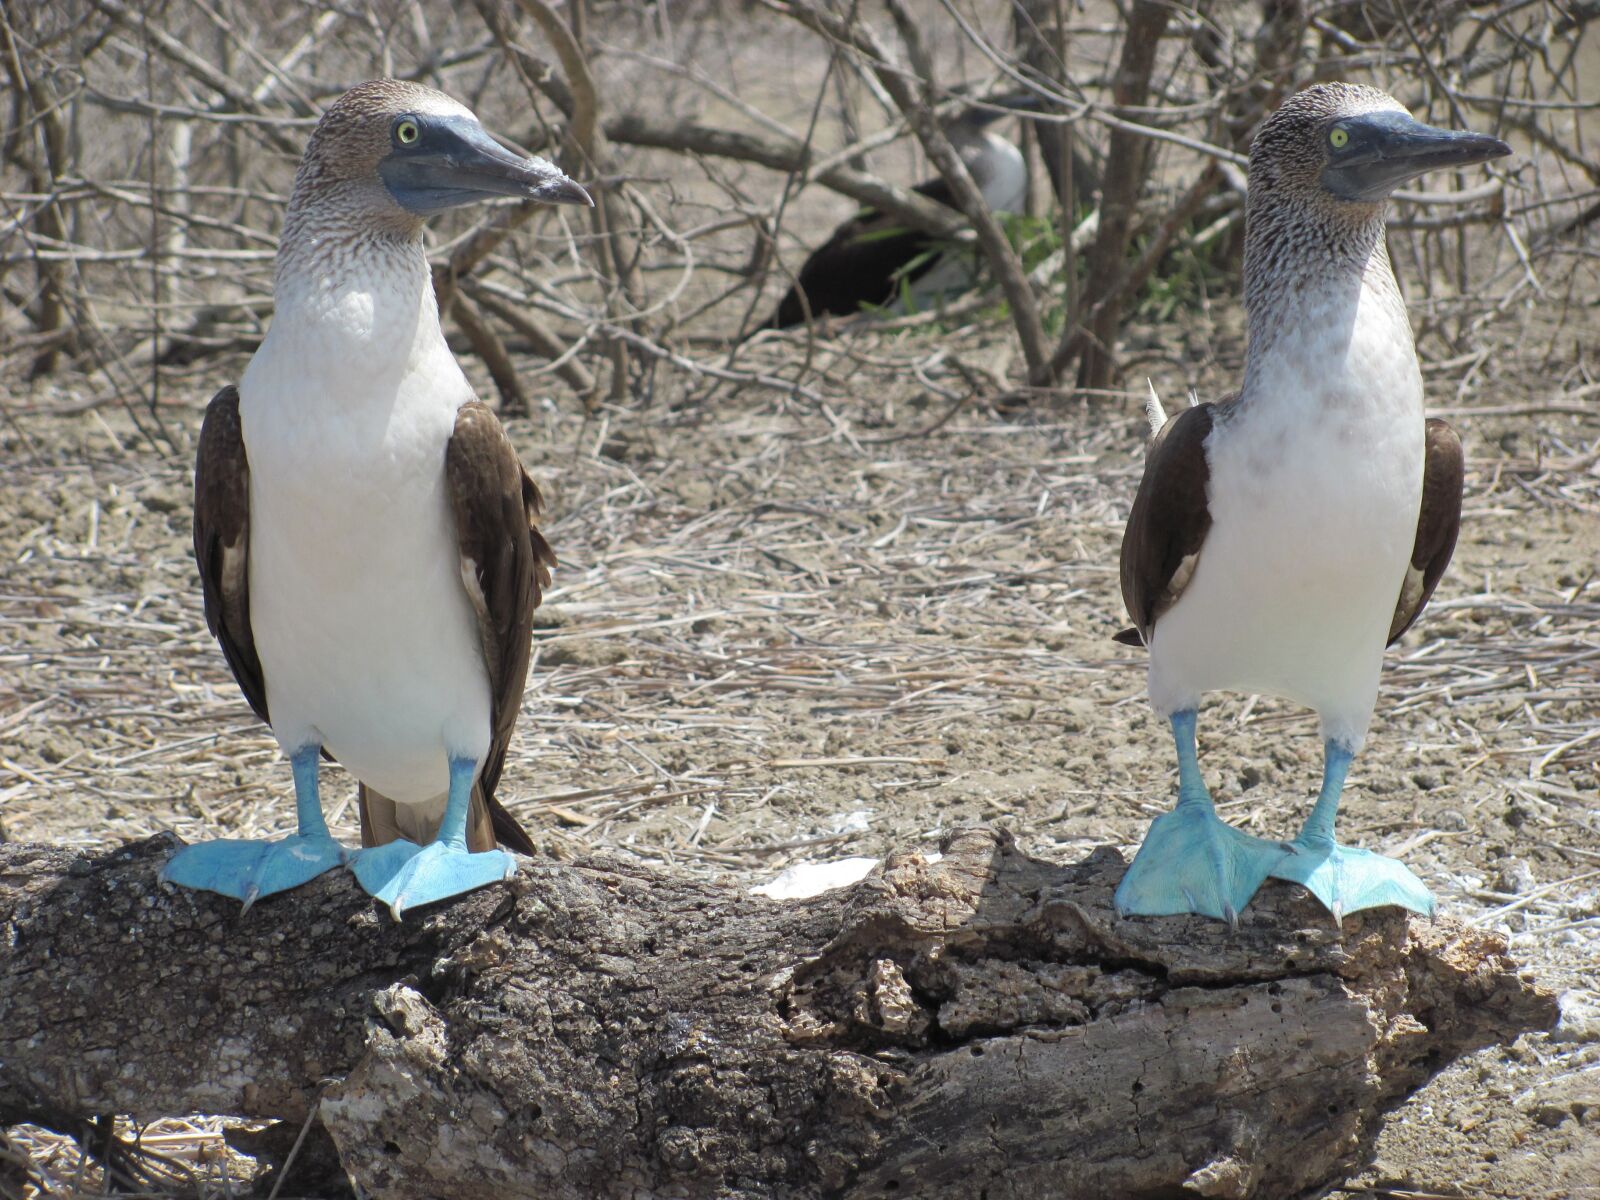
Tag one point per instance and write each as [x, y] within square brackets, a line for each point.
[983, 1026]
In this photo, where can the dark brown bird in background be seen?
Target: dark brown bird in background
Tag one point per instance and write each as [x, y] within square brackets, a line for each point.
[871, 257]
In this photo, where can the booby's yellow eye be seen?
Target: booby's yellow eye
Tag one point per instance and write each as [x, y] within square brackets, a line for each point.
[1339, 137]
[407, 132]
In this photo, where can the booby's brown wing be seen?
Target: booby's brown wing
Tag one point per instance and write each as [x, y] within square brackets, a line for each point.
[505, 565]
[222, 542]
[1168, 523]
[1438, 523]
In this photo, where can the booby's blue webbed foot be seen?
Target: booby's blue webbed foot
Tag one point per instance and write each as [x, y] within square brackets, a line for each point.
[249, 868]
[404, 876]
[1347, 879]
[1192, 861]
[1344, 878]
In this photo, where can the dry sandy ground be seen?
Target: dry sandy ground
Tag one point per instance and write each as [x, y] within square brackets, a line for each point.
[787, 630]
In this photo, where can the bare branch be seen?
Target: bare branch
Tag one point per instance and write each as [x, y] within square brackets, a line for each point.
[787, 154]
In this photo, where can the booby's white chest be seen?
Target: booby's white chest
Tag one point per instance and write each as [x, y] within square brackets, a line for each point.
[1315, 486]
[367, 640]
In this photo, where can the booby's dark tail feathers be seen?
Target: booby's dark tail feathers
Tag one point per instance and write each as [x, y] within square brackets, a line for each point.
[488, 823]
[507, 828]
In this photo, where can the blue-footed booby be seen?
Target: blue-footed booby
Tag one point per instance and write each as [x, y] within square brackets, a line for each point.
[363, 528]
[1283, 537]
[871, 256]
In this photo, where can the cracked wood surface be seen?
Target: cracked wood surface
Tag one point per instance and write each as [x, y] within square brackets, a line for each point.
[982, 1026]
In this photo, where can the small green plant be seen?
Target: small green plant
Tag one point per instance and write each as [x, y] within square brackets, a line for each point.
[1197, 264]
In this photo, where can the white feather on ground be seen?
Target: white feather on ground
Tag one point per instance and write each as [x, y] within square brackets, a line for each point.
[803, 880]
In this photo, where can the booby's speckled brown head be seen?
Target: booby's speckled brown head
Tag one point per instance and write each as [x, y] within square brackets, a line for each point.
[1354, 144]
[398, 152]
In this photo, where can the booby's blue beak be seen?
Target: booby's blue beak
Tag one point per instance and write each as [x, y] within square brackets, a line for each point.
[437, 163]
[1371, 155]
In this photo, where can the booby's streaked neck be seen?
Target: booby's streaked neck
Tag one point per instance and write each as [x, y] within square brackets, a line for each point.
[335, 215]
[352, 300]
[1310, 262]
[354, 320]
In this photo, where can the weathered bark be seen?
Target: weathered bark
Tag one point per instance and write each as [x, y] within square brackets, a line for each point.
[983, 1026]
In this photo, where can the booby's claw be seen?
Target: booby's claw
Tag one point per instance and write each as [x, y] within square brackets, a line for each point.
[1193, 862]
[405, 876]
[1347, 879]
[248, 869]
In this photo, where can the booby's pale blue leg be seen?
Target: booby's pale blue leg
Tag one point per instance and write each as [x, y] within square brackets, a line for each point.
[1344, 878]
[248, 868]
[1191, 861]
[404, 875]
